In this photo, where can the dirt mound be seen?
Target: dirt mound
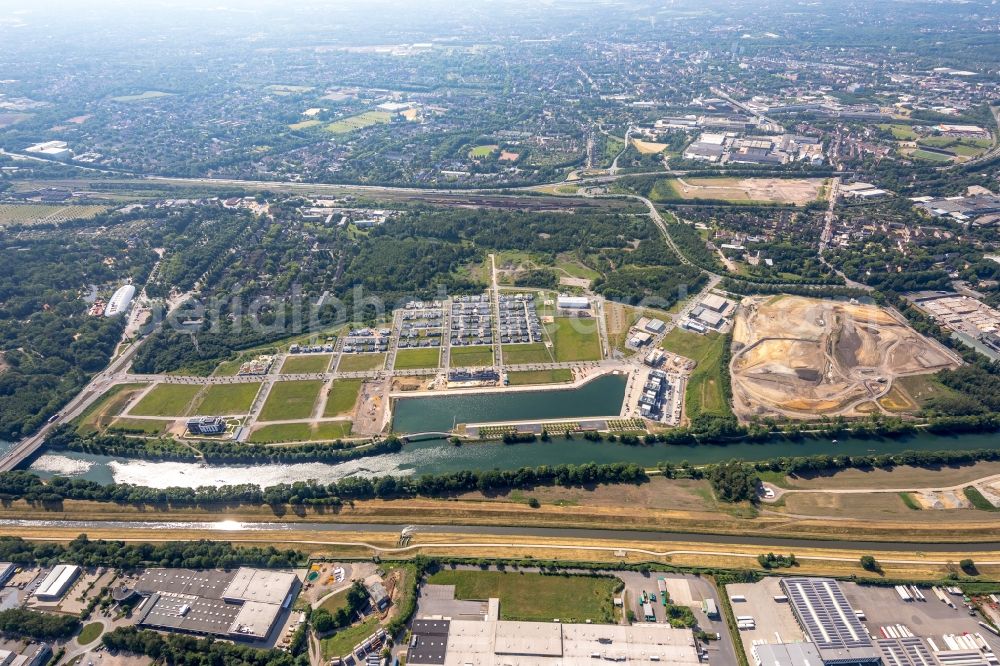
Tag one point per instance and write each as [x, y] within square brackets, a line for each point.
[804, 357]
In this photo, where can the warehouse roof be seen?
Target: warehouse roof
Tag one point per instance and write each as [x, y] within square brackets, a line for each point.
[259, 585]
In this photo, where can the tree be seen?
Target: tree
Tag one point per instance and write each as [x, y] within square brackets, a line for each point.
[868, 563]
[968, 566]
[322, 621]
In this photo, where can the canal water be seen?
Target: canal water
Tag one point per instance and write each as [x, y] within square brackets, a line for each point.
[602, 396]
[439, 456]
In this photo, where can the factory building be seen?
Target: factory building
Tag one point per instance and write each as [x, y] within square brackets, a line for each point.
[245, 604]
[7, 570]
[786, 654]
[827, 619]
[57, 150]
[57, 582]
[459, 642]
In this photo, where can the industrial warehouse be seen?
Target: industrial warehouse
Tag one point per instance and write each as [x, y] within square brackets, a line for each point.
[244, 604]
[479, 643]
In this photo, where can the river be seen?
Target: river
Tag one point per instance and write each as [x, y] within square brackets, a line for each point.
[437, 456]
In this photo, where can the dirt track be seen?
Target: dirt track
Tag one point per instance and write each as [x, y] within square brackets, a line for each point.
[802, 357]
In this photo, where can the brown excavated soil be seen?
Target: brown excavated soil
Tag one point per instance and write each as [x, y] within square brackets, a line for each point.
[802, 357]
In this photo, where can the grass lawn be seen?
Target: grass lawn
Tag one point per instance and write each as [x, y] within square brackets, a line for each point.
[336, 602]
[167, 400]
[704, 390]
[575, 339]
[413, 359]
[555, 376]
[536, 352]
[90, 633]
[141, 97]
[295, 365]
[480, 152]
[359, 362]
[342, 642]
[977, 499]
[468, 357]
[360, 121]
[533, 597]
[343, 395]
[222, 399]
[301, 432]
[924, 389]
[111, 404]
[290, 400]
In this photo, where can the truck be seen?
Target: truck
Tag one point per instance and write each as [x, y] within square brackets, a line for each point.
[709, 608]
[647, 611]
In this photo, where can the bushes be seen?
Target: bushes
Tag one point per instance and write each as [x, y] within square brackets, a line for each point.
[733, 482]
[180, 650]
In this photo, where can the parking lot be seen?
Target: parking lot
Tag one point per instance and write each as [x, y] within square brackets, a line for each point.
[774, 619]
[684, 590]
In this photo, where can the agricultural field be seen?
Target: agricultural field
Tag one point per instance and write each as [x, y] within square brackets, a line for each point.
[46, 213]
[305, 363]
[469, 357]
[227, 399]
[704, 394]
[360, 121]
[804, 357]
[535, 352]
[141, 97]
[151, 427]
[798, 191]
[290, 400]
[167, 400]
[648, 147]
[527, 377]
[531, 597]
[360, 362]
[414, 359]
[301, 432]
[575, 339]
[342, 397]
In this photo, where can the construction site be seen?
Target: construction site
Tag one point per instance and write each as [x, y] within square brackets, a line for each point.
[799, 357]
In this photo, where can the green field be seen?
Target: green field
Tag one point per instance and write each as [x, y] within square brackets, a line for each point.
[224, 399]
[141, 97]
[413, 359]
[704, 393]
[480, 152]
[284, 89]
[900, 132]
[343, 395]
[360, 121]
[554, 376]
[301, 432]
[535, 352]
[304, 124]
[139, 426]
[167, 400]
[110, 405]
[305, 363]
[291, 400]
[470, 357]
[47, 213]
[342, 642]
[930, 157]
[359, 362]
[575, 339]
[533, 597]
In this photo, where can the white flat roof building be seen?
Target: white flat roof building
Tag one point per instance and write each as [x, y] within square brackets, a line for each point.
[259, 585]
[715, 302]
[478, 643]
[120, 300]
[577, 302]
[55, 584]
